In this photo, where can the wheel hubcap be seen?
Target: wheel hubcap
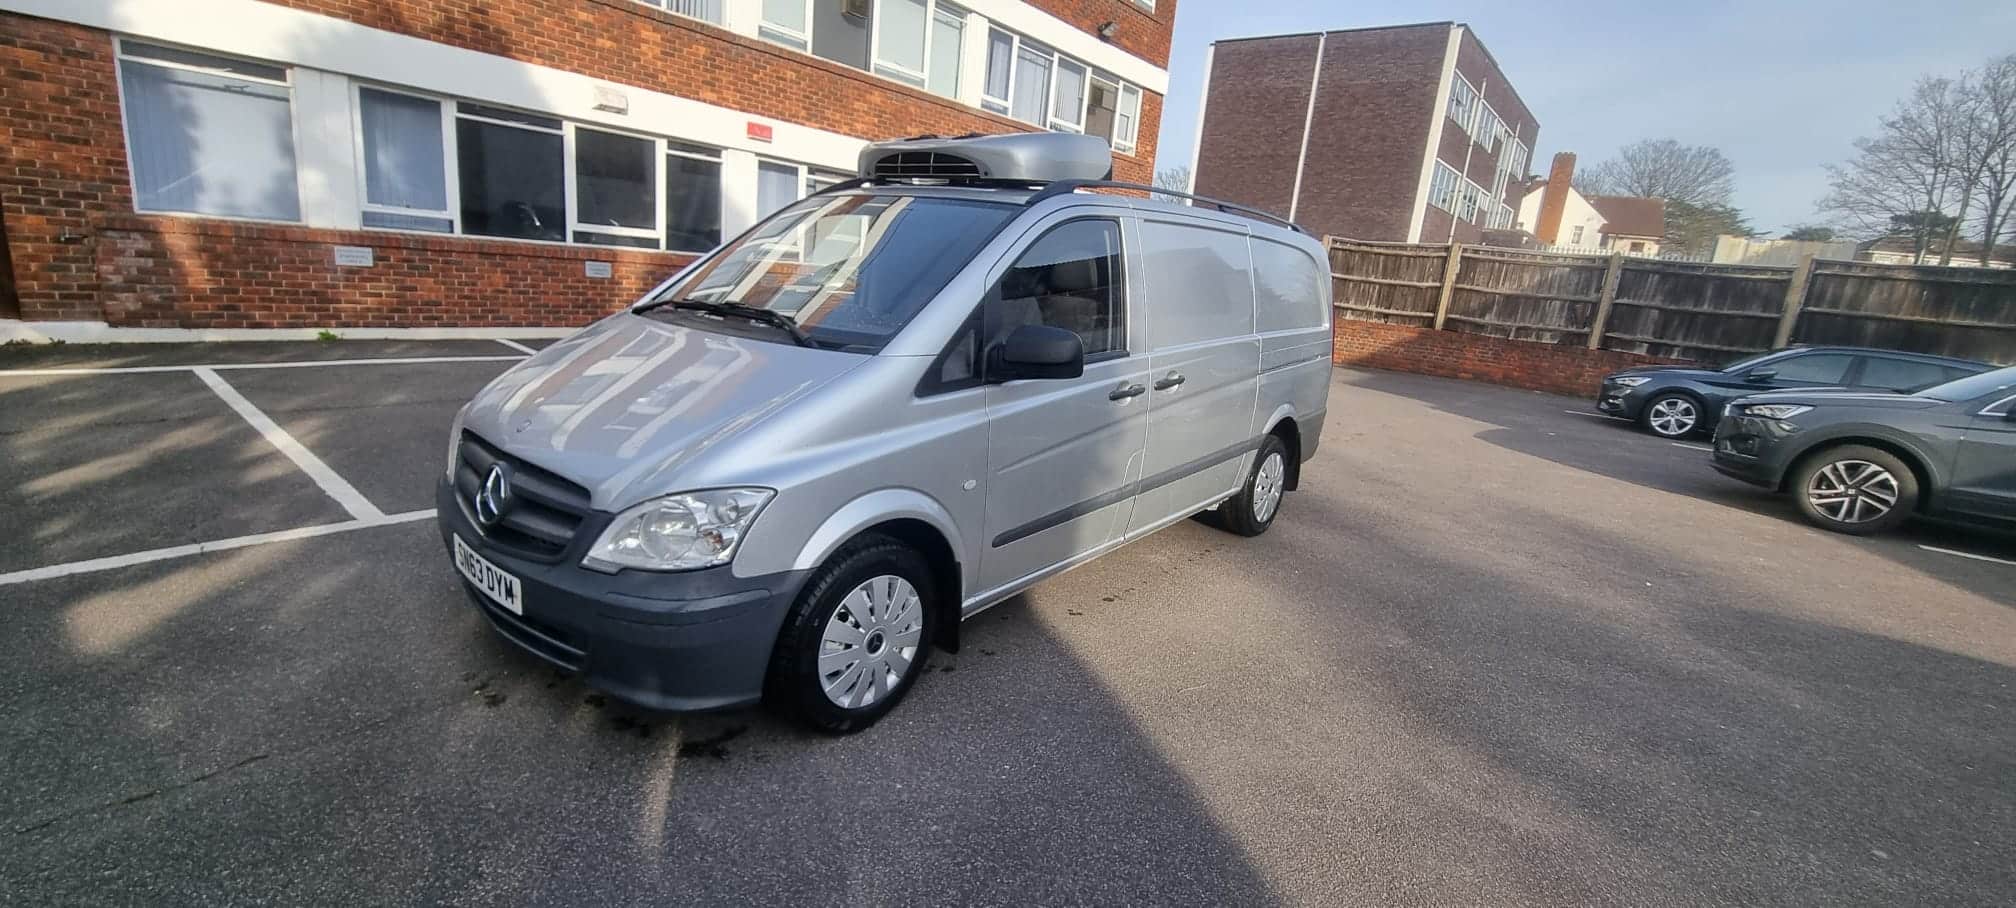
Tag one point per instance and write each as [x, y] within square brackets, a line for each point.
[1267, 487]
[871, 641]
[1852, 491]
[1673, 416]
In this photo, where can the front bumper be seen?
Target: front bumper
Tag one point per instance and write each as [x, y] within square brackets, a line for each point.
[1613, 399]
[686, 641]
[1752, 448]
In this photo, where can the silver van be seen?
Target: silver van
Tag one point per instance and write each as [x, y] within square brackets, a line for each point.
[793, 468]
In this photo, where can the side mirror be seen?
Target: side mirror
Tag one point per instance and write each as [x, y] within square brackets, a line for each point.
[1761, 375]
[1037, 351]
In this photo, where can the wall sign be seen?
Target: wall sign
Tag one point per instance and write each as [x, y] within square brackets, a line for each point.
[761, 132]
[598, 269]
[354, 256]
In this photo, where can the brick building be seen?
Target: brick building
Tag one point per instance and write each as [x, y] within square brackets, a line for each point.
[1403, 133]
[226, 164]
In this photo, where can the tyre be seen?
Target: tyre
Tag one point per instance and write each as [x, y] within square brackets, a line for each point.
[1252, 510]
[857, 638]
[1671, 416]
[1855, 489]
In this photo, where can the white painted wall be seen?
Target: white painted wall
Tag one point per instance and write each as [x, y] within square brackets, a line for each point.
[1578, 213]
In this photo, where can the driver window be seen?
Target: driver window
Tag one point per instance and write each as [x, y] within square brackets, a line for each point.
[1816, 369]
[1070, 278]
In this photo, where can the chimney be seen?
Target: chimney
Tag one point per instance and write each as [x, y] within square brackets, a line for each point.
[1554, 198]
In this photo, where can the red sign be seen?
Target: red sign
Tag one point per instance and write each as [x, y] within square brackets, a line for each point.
[760, 132]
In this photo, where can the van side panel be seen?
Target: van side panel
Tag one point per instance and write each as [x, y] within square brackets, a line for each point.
[1292, 303]
[1200, 331]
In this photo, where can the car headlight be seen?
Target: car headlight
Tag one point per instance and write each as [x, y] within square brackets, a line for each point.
[678, 532]
[455, 442]
[1775, 411]
[1631, 381]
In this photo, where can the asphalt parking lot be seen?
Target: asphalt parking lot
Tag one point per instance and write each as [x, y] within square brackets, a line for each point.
[1496, 650]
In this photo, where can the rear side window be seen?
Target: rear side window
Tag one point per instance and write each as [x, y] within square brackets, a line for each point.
[1903, 374]
[1818, 369]
[1288, 287]
[1070, 278]
[1202, 283]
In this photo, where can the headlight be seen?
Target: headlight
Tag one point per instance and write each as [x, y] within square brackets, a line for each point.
[1775, 411]
[1632, 381]
[455, 442]
[678, 532]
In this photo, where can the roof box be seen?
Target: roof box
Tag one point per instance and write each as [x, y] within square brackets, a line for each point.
[1034, 157]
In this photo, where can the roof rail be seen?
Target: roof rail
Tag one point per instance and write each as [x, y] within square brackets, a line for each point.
[1054, 189]
[1066, 187]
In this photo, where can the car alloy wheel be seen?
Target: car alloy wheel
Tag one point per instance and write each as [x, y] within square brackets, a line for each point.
[1852, 491]
[870, 642]
[1673, 416]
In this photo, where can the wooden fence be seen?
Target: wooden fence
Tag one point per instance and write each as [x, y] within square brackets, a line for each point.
[1676, 310]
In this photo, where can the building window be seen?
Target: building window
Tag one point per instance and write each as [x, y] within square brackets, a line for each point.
[1442, 188]
[777, 184]
[1471, 202]
[208, 135]
[817, 180]
[615, 189]
[1067, 112]
[1000, 75]
[1575, 238]
[1126, 127]
[1462, 102]
[1102, 108]
[405, 162]
[513, 173]
[1488, 126]
[1032, 84]
[917, 42]
[704, 10]
[692, 197]
[1637, 247]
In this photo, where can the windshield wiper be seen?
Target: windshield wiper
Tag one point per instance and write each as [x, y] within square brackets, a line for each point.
[770, 317]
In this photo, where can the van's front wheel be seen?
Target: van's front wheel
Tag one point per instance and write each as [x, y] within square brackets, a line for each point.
[1252, 510]
[856, 639]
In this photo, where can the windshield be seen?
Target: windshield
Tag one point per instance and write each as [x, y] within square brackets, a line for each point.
[851, 270]
[1973, 386]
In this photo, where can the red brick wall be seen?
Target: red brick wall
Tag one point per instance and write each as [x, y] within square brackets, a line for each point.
[167, 272]
[1252, 137]
[1452, 354]
[1475, 64]
[63, 170]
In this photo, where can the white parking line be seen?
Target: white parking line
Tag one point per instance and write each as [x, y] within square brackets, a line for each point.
[198, 548]
[528, 351]
[1934, 548]
[339, 489]
[299, 364]
[1691, 447]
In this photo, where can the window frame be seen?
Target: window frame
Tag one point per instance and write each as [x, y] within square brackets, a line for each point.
[1133, 119]
[120, 59]
[667, 7]
[1488, 126]
[1445, 175]
[1469, 93]
[1870, 359]
[573, 168]
[674, 148]
[1125, 309]
[1850, 374]
[449, 169]
[1056, 124]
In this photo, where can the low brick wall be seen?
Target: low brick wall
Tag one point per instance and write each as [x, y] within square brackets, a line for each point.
[1453, 354]
[165, 272]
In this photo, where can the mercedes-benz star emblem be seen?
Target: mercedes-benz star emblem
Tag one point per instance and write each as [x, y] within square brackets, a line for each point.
[494, 498]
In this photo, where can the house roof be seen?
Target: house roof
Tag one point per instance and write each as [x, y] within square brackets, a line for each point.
[1520, 189]
[1625, 215]
[1903, 245]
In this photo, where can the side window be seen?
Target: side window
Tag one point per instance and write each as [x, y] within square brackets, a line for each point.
[1289, 285]
[1818, 369]
[1070, 278]
[1901, 374]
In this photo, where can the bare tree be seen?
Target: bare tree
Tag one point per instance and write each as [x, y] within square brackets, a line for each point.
[1908, 178]
[1177, 178]
[1992, 136]
[1663, 168]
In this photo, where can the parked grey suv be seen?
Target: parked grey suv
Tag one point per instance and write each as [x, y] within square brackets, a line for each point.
[798, 464]
[1678, 401]
[1858, 462]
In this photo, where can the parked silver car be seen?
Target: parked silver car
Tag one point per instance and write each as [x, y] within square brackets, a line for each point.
[794, 467]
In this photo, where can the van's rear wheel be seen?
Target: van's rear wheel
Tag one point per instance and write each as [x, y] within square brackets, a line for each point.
[1252, 510]
[856, 639]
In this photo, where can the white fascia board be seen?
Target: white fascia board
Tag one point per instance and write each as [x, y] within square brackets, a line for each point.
[1072, 41]
[249, 28]
[1439, 115]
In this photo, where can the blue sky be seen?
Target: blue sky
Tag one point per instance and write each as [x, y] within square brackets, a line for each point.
[1782, 88]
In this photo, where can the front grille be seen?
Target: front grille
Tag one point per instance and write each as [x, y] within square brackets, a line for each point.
[925, 164]
[546, 510]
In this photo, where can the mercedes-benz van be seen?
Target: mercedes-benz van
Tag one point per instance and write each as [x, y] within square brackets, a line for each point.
[793, 468]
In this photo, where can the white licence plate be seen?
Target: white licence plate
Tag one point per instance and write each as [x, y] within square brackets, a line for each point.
[491, 579]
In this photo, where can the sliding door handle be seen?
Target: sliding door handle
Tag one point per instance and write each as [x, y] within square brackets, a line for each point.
[1126, 391]
[1169, 381]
